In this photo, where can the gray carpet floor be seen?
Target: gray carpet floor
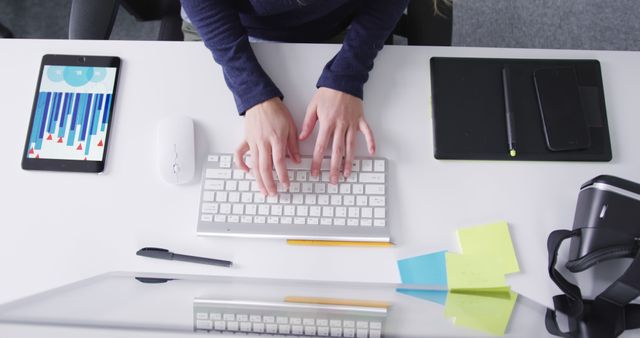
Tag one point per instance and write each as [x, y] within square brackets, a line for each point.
[572, 24]
[49, 19]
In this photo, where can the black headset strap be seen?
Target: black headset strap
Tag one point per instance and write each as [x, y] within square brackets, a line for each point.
[612, 305]
[626, 288]
[572, 305]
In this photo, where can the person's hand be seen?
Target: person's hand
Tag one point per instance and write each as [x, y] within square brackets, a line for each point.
[269, 134]
[341, 116]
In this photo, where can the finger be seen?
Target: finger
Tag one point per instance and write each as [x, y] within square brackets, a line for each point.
[336, 153]
[292, 143]
[318, 151]
[238, 157]
[350, 151]
[255, 159]
[368, 136]
[279, 151]
[310, 119]
[266, 168]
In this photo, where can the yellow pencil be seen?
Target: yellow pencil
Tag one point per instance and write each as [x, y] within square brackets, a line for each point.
[335, 301]
[338, 243]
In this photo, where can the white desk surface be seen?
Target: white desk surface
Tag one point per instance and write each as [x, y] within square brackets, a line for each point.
[61, 227]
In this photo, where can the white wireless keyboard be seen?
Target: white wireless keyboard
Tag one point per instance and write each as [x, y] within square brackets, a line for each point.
[353, 210]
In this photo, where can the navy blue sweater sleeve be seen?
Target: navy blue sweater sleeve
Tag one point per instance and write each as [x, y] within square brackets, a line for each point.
[371, 25]
[218, 22]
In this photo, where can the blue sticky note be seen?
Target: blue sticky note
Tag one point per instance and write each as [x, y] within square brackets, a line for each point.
[435, 296]
[430, 269]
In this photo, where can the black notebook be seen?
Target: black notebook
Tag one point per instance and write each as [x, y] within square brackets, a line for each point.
[468, 105]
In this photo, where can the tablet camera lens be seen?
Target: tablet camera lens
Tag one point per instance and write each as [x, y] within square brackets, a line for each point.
[82, 59]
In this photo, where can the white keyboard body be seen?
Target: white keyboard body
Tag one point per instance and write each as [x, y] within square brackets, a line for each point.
[353, 210]
[286, 319]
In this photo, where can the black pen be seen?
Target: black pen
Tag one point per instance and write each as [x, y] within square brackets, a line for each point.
[168, 255]
[508, 110]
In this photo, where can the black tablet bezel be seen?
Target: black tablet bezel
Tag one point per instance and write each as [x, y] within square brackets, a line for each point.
[71, 165]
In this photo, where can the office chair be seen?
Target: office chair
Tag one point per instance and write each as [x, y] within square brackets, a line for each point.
[5, 32]
[422, 26]
[93, 19]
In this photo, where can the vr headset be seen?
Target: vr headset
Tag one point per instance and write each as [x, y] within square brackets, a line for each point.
[606, 226]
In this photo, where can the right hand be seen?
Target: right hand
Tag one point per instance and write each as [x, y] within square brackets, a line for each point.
[269, 134]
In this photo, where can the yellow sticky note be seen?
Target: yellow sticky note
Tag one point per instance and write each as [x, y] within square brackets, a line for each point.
[473, 272]
[492, 240]
[487, 312]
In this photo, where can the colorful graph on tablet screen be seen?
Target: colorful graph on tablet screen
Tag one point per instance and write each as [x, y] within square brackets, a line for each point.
[72, 113]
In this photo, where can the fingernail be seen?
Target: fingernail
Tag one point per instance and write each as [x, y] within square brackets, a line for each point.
[334, 179]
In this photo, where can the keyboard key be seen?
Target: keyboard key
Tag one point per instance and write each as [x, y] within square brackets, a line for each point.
[251, 209]
[349, 332]
[307, 188]
[269, 319]
[204, 324]
[366, 212]
[336, 332]
[362, 324]
[297, 329]
[322, 322]
[325, 176]
[276, 210]
[313, 220]
[297, 199]
[365, 222]
[354, 212]
[219, 325]
[299, 220]
[301, 176]
[367, 165]
[332, 188]
[286, 220]
[246, 219]
[294, 187]
[349, 323]
[284, 329]
[229, 316]
[362, 201]
[210, 208]
[285, 198]
[358, 189]
[258, 327]
[225, 161]
[282, 320]
[245, 326]
[341, 212]
[355, 165]
[258, 197]
[375, 325]
[371, 178]
[220, 218]
[309, 330]
[325, 221]
[208, 196]
[244, 185]
[302, 210]
[379, 212]
[308, 321]
[224, 174]
[233, 219]
[237, 209]
[375, 334]
[321, 188]
[295, 320]
[231, 185]
[233, 326]
[272, 199]
[202, 315]
[246, 197]
[349, 200]
[215, 316]
[323, 331]
[260, 219]
[212, 158]
[316, 211]
[323, 199]
[234, 197]
[263, 209]
[378, 165]
[353, 222]
[238, 174]
[353, 178]
[339, 221]
[376, 201]
[242, 317]
[272, 220]
[214, 185]
[271, 328]
[327, 211]
[225, 208]
[289, 210]
[362, 333]
[335, 323]
[336, 200]
[374, 189]
[221, 196]
[345, 188]
[310, 199]
[379, 222]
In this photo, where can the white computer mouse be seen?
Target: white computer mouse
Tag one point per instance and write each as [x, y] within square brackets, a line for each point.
[176, 149]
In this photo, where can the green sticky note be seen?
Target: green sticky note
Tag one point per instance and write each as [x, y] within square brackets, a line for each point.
[493, 240]
[488, 312]
[473, 272]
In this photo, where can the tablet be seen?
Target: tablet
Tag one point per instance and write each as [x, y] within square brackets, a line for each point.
[71, 114]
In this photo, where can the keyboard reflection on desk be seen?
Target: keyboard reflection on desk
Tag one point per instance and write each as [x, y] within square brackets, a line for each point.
[314, 320]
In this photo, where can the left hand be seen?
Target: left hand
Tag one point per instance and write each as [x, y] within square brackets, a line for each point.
[341, 116]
